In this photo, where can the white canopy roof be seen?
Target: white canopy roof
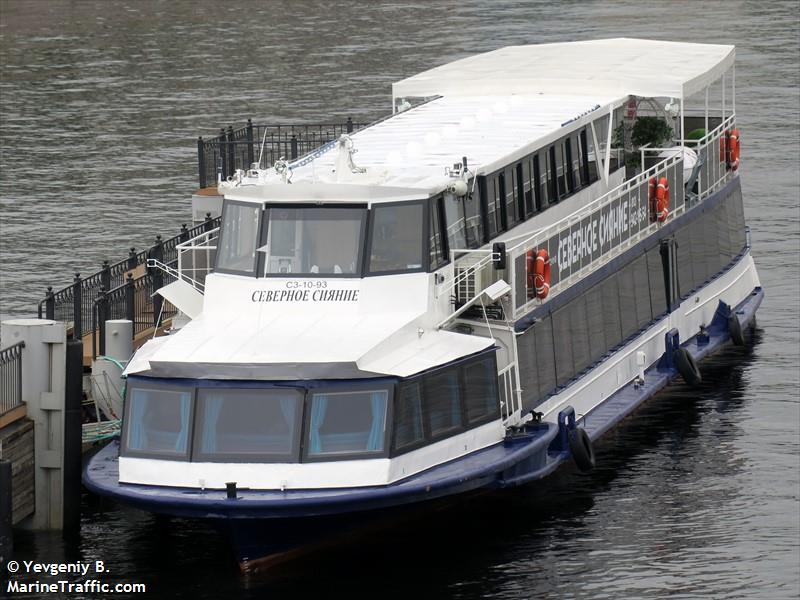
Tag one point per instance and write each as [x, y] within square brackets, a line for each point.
[616, 67]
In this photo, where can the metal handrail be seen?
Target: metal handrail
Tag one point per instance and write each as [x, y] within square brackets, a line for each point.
[11, 377]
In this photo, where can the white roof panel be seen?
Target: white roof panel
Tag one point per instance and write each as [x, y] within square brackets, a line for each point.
[412, 149]
[616, 67]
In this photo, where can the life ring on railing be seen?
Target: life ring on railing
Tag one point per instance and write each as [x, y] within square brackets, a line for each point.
[662, 199]
[530, 271]
[651, 198]
[541, 278]
[733, 149]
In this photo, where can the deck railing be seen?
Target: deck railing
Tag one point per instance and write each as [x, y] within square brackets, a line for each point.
[232, 149]
[11, 377]
[577, 245]
[196, 258]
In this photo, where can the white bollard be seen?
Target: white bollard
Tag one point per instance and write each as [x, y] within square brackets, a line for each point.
[43, 381]
[106, 375]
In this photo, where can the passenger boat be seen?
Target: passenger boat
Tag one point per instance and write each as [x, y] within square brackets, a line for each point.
[458, 298]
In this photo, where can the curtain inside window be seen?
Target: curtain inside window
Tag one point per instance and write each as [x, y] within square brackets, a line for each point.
[378, 406]
[318, 408]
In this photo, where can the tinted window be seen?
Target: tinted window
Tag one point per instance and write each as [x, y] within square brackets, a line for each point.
[352, 422]
[455, 222]
[408, 416]
[611, 317]
[436, 240]
[480, 381]
[545, 359]
[562, 344]
[310, 241]
[443, 404]
[238, 238]
[158, 422]
[397, 234]
[596, 317]
[580, 334]
[247, 424]
[642, 290]
[627, 300]
[655, 269]
[509, 184]
[474, 220]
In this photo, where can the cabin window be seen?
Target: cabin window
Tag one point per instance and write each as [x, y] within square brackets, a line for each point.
[347, 423]
[396, 238]
[540, 181]
[314, 241]
[438, 252]
[527, 189]
[455, 222]
[443, 402]
[408, 430]
[569, 165]
[491, 190]
[510, 186]
[158, 422]
[592, 160]
[238, 238]
[480, 383]
[247, 425]
[474, 220]
[553, 162]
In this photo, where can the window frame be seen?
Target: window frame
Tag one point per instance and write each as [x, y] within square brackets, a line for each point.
[264, 230]
[254, 273]
[292, 458]
[126, 452]
[436, 203]
[425, 250]
[369, 386]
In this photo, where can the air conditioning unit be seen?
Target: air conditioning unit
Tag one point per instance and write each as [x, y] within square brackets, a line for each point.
[471, 281]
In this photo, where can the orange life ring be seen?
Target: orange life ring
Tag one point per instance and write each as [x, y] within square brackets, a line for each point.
[662, 199]
[541, 278]
[530, 270]
[651, 198]
[733, 149]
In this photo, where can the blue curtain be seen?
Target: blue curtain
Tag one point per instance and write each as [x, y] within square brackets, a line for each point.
[137, 437]
[288, 406]
[378, 404]
[319, 406]
[213, 407]
[183, 435]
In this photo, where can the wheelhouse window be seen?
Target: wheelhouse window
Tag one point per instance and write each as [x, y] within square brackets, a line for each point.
[238, 237]
[397, 238]
[248, 425]
[350, 423]
[158, 422]
[313, 241]
[480, 384]
[442, 394]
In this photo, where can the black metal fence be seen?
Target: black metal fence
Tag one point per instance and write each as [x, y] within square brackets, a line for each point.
[11, 377]
[75, 303]
[135, 301]
[239, 148]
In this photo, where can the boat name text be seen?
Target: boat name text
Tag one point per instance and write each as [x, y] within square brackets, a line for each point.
[305, 296]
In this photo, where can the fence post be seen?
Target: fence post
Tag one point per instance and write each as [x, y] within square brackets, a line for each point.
[293, 147]
[201, 162]
[102, 316]
[77, 325]
[71, 478]
[231, 153]
[158, 280]
[130, 298]
[251, 157]
[6, 538]
[105, 275]
[207, 224]
[132, 258]
[349, 125]
[223, 153]
[50, 304]
[184, 234]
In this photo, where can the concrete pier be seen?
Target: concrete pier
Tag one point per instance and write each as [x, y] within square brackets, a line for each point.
[43, 392]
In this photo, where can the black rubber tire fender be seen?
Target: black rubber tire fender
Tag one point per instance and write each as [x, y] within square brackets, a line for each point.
[580, 446]
[687, 366]
[735, 330]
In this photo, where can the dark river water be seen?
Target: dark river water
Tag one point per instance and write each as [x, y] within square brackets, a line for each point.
[697, 496]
